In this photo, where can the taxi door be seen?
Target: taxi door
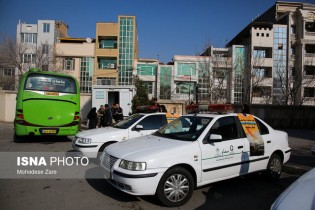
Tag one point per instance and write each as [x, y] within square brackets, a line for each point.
[223, 150]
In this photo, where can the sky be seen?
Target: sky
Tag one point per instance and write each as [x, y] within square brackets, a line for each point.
[165, 27]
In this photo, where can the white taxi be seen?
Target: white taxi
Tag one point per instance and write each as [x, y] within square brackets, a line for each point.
[192, 151]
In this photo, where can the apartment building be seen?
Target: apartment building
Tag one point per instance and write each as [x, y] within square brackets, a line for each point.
[147, 71]
[34, 47]
[75, 56]
[277, 56]
[116, 48]
[36, 42]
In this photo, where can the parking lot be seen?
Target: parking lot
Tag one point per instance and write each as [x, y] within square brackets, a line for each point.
[249, 192]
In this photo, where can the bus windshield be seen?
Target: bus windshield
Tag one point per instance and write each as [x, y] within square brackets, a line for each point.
[52, 83]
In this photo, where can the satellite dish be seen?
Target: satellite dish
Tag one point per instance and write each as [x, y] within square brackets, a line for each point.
[88, 40]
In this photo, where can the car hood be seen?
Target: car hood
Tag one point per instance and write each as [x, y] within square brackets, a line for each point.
[104, 134]
[299, 195]
[149, 148]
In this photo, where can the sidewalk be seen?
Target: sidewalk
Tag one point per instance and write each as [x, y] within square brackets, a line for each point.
[302, 159]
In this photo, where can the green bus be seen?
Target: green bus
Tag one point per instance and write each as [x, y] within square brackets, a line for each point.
[47, 103]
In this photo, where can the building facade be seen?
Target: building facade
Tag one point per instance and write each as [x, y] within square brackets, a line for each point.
[75, 56]
[35, 43]
[278, 56]
[116, 48]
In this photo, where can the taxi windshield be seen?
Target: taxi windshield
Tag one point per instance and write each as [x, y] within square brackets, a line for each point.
[127, 122]
[186, 128]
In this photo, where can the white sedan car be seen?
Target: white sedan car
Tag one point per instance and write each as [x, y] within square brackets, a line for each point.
[91, 143]
[192, 151]
[300, 194]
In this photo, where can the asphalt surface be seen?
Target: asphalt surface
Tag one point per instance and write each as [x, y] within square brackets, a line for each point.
[301, 159]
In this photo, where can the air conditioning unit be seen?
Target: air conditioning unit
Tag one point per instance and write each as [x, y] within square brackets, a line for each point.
[111, 66]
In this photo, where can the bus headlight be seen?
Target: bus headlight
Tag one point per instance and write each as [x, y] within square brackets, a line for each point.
[83, 140]
[134, 166]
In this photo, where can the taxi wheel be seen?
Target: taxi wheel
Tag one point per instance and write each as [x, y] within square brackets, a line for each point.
[274, 167]
[175, 187]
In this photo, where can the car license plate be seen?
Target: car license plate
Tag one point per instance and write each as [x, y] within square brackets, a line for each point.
[48, 131]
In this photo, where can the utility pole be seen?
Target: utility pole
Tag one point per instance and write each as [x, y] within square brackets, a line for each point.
[156, 76]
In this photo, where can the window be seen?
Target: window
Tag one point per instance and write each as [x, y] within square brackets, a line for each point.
[68, 64]
[8, 72]
[186, 69]
[258, 73]
[45, 49]
[220, 74]
[46, 27]
[309, 92]
[153, 122]
[28, 38]
[227, 128]
[259, 54]
[309, 70]
[262, 128]
[310, 26]
[184, 87]
[149, 87]
[261, 92]
[110, 43]
[29, 58]
[310, 48]
[146, 69]
[107, 63]
[105, 81]
[257, 34]
[293, 29]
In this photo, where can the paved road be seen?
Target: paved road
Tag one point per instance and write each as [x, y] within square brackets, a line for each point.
[249, 192]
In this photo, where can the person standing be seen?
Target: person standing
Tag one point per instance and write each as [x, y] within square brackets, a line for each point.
[245, 109]
[119, 113]
[107, 117]
[92, 117]
[114, 112]
[155, 103]
[100, 114]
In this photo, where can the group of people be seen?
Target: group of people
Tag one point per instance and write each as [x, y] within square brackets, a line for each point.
[105, 116]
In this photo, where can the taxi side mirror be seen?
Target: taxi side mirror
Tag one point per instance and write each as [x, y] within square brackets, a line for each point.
[215, 138]
[139, 127]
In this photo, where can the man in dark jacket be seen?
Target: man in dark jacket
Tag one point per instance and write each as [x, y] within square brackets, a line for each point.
[108, 117]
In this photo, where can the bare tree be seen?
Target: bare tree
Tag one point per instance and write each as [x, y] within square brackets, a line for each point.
[215, 75]
[292, 83]
[23, 56]
[26, 55]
